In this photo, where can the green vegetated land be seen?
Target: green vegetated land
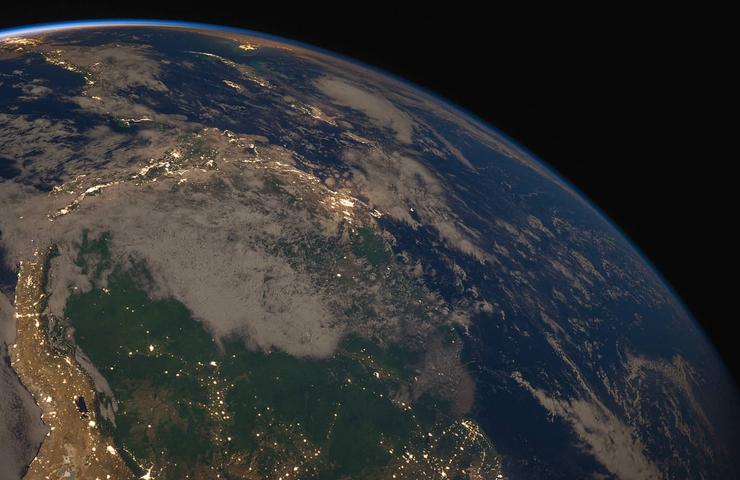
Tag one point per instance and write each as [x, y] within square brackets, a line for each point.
[189, 406]
[368, 245]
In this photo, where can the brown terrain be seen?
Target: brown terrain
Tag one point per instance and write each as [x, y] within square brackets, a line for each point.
[74, 447]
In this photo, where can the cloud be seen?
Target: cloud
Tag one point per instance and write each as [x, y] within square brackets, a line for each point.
[203, 253]
[378, 108]
[33, 90]
[402, 187]
[201, 242]
[613, 443]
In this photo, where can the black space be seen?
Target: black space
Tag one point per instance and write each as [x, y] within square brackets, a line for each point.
[628, 104]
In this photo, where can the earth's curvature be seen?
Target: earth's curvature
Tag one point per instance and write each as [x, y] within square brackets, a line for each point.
[229, 256]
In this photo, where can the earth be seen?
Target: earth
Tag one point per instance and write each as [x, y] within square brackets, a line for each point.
[226, 255]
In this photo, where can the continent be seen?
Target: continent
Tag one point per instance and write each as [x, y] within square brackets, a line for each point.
[189, 406]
